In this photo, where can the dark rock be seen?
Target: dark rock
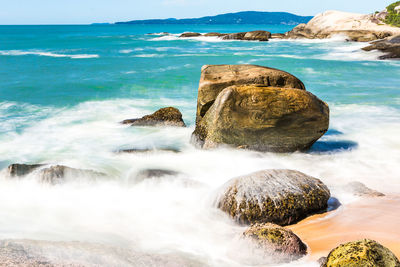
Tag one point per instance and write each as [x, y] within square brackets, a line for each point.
[282, 197]
[278, 243]
[390, 46]
[189, 34]
[16, 169]
[261, 36]
[57, 174]
[169, 116]
[361, 253]
[155, 173]
[146, 150]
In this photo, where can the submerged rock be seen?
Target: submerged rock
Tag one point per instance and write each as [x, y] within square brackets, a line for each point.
[359, 189]
[263, 118]
[154, 173]
[57, 174]
[169, 116]
[146, 150]
[278, 243]
[17, 170]
[257, 36]
[390, 46]
[282, 197]
[189, 34]
[361, 253]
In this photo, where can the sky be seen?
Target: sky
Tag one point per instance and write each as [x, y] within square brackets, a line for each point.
[91, 11]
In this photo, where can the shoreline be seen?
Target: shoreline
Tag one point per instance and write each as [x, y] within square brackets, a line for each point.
[372, 218]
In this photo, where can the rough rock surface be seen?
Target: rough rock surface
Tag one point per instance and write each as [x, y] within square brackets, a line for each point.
[390, 46]
[358, 27]
[215, 78]
[278, 243]
[365, 252]
[264, 119]
[234, 36]
[282, 197]
[257, 36]
[169, 116]
[57, 174]
[277, 36]
[189, 34]
[17, 170]
[214, 34]
[154, 173]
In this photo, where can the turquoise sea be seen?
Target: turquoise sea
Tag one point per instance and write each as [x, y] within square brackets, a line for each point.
[63, 90]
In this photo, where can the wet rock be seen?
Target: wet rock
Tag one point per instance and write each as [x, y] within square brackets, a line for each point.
[278, 243]
[261, 36]
[169, 116]
[263, 118]
[17, 170]
[154, 173]
[214, 34]
[57, 174]
[189, 34]
[359, 189]
[361, 253]
[390, 46]
[146, 150]
[234, 36]
[282, 197]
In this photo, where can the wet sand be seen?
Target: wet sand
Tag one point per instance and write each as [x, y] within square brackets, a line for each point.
[374, 218]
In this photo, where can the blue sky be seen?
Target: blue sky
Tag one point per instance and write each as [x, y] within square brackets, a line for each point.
[88, 11]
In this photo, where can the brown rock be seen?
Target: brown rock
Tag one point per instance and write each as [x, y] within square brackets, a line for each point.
[277, 36]
[282, 197]
[359, 189]
[278, 243]
[390, 46]
[57, 174]
[234, 36]
[189, 34]
[214, 34]
[16, 169]
[169, 116]
[257, 36]
[215, 78]
[264, 119]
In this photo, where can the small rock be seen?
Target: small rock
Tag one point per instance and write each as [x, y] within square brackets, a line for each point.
[154, 173]
[145, 150]
[57, 174]
[361, 253]
[17, 170]
[261, 36]
[169, 116]
[282, 197]
[277, 36]
[214, 34]
[278, 243]
[189, 34]
[234, 36]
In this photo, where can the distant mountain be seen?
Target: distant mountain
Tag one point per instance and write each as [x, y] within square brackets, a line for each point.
[246, 17]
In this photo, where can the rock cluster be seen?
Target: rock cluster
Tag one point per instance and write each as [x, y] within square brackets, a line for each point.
[389, 46]
[258, 108]
[261, 36]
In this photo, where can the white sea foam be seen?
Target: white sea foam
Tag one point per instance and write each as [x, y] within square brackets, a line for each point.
[44, 53]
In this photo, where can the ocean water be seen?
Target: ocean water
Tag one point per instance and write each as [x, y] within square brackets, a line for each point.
[63, 90]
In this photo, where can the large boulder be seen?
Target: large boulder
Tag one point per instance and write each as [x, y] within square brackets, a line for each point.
[215, 78]
[278, 243]
[282, 197]
[361, 253]
[263, 118]
[357, 27]
[169, 116]
[389, 46]
[257, 36]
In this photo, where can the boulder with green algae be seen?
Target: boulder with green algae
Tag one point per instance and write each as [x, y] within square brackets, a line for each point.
[278, 196]
[169, 116]
[263, 118]
[362, 253]
[278, 243]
